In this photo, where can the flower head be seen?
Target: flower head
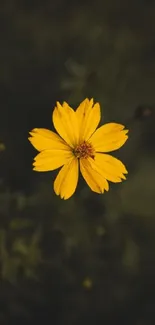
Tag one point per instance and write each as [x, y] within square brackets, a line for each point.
[79, 145]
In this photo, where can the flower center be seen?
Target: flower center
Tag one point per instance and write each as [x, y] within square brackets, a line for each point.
[84, 150]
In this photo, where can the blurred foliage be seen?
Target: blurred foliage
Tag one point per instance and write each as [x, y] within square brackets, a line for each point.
[2, 146]
[91, 259]
[19, 255]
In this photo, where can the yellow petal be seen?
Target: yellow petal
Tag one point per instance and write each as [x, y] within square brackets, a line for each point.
[51, 159]
[66, 123]
[43, 139]
[88, 117]
[109, 137]
[111, 168]
[83, 110]
[66, 181]
[93, 178]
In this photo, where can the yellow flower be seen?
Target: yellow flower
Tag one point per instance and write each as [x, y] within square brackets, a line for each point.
[79, 146]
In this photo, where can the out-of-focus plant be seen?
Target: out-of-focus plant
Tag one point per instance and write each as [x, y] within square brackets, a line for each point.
[19, 254]
[2, 146]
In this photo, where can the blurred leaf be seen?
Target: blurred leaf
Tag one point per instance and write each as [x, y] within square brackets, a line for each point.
[22, 201]
[131, 255]
[30, 273]
[20, 246]
[100, 231]
[10, 267]
[2, 147]
[18, 223]
[34, 255]
[3, 251]
[87, 283]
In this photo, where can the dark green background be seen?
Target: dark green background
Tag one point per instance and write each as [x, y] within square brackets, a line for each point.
[70, 50]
